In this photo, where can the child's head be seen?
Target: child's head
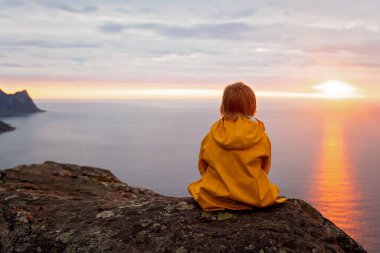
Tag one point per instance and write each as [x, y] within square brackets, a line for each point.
[238, 100]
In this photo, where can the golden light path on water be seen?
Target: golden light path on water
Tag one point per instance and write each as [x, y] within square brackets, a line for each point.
[334, 192]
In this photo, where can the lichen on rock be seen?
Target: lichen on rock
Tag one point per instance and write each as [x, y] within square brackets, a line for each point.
[55, 207]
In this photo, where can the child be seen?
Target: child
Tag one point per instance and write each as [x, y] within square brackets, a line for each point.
[235, 157]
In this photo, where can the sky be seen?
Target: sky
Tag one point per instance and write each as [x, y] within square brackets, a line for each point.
[117, 49]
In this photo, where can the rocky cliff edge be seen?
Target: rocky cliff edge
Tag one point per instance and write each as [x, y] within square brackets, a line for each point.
[54, 207]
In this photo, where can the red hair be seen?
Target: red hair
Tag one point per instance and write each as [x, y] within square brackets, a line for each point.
[238, 100]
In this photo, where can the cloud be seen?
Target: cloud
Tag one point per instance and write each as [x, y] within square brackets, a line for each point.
[229, 31]
[189, 41]
[46, 44]
[11, 65]
[11, 3]
[79, 61]
[362, 48]
[222, 30]
[75, 7]
[112, 27]
[64, 6]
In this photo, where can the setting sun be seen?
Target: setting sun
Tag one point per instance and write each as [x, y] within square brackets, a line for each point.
[335, 89]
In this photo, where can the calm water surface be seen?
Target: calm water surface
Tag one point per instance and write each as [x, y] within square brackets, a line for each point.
[325, 152]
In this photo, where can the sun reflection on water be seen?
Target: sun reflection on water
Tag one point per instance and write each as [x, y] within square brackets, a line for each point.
[334, 191]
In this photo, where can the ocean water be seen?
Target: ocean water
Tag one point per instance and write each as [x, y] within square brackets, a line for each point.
[325, 152]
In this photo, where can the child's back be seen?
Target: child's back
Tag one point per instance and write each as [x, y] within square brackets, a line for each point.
[234, 161]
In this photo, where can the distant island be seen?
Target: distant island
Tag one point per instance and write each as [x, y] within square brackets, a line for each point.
[4, 127]
[15, 104]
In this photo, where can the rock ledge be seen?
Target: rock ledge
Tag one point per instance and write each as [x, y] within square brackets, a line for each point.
[54, 207]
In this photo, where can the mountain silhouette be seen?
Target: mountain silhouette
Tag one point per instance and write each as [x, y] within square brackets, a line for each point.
[17, 103]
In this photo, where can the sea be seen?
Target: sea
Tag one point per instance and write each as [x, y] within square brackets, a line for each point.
[326, 152]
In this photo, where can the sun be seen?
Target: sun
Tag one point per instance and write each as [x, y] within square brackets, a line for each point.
[336, 89]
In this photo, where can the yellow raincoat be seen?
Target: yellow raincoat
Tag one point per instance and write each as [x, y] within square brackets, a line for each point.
[234, 161]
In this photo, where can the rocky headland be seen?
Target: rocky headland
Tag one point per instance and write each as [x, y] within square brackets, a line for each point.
[4, 127]
[54, 207]
[17, 103]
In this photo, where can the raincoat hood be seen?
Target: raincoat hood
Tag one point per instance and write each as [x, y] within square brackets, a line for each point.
[240, 134]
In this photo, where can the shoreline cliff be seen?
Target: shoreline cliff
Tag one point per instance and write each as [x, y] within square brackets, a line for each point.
[53, 207]
[18, 103]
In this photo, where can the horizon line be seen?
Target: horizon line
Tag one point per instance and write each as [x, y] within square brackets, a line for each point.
[154, 93]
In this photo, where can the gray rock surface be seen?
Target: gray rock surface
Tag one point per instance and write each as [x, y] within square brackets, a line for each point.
[18, 103]
[54, 207]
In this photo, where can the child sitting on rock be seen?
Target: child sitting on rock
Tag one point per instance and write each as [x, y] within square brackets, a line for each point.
[235, 157]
